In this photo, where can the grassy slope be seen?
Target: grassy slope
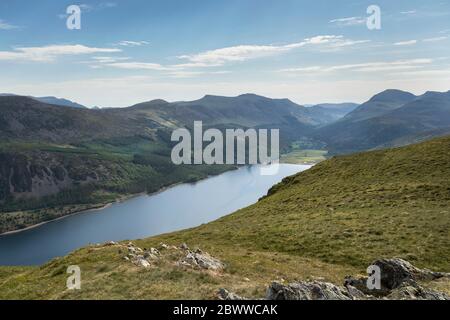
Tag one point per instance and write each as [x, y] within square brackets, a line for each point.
[326, 222]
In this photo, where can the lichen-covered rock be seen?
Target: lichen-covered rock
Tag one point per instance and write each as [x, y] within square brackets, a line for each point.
[306, 291]
[357, 294]
[142, 262]
[413, 291]
[360, 284]
[201, 260]
[224, 294]
[394, 272]
[140, 257]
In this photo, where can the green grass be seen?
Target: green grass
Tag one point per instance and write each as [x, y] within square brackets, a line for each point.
[327, 222]
[304, 156]
[303, 152]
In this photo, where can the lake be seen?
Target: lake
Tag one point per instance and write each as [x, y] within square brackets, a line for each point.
[180, 207]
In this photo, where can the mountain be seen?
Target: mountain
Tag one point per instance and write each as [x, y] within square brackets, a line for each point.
[55, 159]
[246, 110]
[60, 102]
[331, 112]
[26, 119]
[391, 118]
[380, 104]
[319, 225]
[50, 100]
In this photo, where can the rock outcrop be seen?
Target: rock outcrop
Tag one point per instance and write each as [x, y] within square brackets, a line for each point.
[224, 294]
[394, 272]
[306, 291]
[200, 260]
[140, 257]
[399, 281]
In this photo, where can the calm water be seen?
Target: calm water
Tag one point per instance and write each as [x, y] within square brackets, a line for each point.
[177, 208]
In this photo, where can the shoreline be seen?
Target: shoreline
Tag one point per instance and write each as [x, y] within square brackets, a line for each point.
[86, 210]
[123, 199]
[107, 205]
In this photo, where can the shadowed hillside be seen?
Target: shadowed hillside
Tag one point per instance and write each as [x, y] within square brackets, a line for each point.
[391, 118]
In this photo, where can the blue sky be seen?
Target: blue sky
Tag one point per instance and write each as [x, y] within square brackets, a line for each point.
[129, 51]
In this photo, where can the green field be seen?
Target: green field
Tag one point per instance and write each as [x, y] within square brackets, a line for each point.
[304, 152]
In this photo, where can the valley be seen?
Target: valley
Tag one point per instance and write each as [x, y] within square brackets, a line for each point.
[59, 160]
[319, 225]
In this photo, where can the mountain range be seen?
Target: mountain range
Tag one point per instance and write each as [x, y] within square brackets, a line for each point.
[390, 118]
[51, 100]
[54, 156]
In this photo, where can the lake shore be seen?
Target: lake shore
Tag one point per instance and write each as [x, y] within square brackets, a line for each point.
[180, 207]
[96, 207]
[122, 198]
[80, 211]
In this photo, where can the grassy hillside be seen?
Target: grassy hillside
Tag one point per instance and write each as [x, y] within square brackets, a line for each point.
[329, 221]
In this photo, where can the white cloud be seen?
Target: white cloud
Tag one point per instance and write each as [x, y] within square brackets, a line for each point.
[6, 26]
[436, 39]
[350, 21]
[426, 73]
[138, 66]
[219, 57]
[190, 74]
[410, 12]
[127, 43]
[405, 43]
[51, 52]
[107, 59]
[364, 67]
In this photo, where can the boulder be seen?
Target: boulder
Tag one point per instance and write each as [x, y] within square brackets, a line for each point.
[394, 272]
[164, 246]
[413, 291]
[140, 261]
[357, 294]
[224, 294]
[154, 251]
[306, 291]
[201, 260]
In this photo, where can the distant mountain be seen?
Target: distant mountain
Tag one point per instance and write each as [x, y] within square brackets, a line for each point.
[391, 118]
[60, 102]
[245, 110]
[27, 119]
[380, 104]
[50, 100]
[330, 112]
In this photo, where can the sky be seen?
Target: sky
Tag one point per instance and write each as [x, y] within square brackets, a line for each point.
[130, 51]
